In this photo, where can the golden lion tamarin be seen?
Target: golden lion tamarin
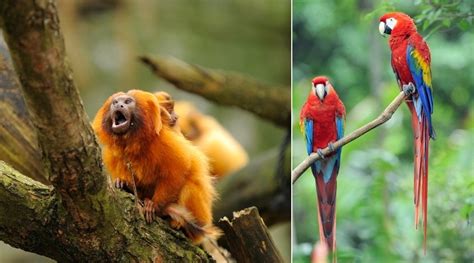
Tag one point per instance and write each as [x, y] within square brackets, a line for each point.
[225, 154]
[170, 174]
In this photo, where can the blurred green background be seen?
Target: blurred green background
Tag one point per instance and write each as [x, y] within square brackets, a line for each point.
[104, 39]
[375, 211]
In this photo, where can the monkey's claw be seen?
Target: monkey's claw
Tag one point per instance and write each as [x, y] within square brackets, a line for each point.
[320, 153]
[408, 89]
[149, 210]
[120, 184]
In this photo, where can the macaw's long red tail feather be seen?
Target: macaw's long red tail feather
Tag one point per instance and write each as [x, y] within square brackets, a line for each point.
[422, 140]
[327, 209]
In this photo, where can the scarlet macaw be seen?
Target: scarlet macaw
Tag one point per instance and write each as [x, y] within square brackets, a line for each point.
[411, 63]
[322, 123]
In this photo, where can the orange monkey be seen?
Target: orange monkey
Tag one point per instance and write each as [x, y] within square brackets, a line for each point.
[170, 174]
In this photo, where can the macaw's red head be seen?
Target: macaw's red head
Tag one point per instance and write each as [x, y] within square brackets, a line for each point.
[321, 87]
[396, 23]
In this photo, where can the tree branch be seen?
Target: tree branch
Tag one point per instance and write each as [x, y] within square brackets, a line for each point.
[382, 118]
[247, 237]
[32, 218]
[272, 103]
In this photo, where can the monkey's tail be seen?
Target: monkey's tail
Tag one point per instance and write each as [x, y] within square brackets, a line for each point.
[186, 221]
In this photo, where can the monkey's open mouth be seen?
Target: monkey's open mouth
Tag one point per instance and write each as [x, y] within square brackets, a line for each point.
[120, 121]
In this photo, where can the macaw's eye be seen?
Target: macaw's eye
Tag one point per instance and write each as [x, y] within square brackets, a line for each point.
[391, 22]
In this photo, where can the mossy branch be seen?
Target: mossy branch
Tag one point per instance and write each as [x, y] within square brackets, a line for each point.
[33, 218]
[382, 118]
[272, 103]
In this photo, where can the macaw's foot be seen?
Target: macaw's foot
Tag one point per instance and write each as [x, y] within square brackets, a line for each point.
[331, 146]
[408, 89]
[149, 210]
[320, 153]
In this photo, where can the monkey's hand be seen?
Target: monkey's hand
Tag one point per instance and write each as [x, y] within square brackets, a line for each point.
[149, 210]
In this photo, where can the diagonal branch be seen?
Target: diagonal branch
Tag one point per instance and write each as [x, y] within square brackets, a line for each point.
[382, 118]
[32, 218]
[272, 103]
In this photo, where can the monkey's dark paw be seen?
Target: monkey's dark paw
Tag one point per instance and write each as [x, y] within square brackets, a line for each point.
[149, 210]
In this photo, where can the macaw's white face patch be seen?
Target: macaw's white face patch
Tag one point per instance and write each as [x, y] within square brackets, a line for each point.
[385, 28]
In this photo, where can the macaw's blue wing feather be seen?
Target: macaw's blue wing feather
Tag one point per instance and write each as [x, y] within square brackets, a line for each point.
[421, 74]
[308, 133]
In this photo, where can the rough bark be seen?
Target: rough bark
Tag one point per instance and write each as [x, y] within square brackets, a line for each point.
[33, 218]
[247, 238]
[18, 142]
[259, 184]
[272, 103]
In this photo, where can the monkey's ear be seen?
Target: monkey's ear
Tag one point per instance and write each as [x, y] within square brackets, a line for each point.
[157, 119]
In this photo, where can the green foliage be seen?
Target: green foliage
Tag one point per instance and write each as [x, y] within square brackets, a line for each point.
[375, 211]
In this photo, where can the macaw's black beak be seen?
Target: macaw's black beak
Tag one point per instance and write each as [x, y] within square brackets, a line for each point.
[387, 30]
[384, 29]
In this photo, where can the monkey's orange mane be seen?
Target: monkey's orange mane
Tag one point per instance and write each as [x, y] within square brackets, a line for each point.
[147, 116]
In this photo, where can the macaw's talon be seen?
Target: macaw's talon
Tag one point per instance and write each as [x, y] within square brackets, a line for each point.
[149, 210]
[331, 146]
[320, 153]
[408, 89]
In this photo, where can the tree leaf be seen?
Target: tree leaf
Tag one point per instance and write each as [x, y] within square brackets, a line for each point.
[464, 25]
[447, 22]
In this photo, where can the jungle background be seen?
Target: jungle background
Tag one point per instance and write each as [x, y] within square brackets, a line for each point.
[375, 208]
[105, 38]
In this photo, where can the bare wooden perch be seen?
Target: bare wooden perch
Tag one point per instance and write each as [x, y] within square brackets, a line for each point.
[247, 238]
[272, 103]
[382, 118]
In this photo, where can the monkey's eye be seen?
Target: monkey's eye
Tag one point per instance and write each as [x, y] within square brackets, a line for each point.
[128, 101]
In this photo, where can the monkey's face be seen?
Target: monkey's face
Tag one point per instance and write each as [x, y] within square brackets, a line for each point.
[127, 118]
[122, 113]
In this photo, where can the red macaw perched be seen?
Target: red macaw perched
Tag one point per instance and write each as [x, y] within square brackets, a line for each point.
[411, 63]
[322, 123]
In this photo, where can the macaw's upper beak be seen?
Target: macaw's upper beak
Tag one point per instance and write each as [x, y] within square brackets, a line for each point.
[321, 91]
[384, 29]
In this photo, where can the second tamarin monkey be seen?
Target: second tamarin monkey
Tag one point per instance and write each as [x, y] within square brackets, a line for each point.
[170, 174]
[225, 154]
